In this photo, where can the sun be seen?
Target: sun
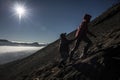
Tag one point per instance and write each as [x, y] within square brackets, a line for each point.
[20, 10]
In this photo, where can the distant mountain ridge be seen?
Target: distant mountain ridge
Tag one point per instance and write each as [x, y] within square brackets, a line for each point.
[4, 42]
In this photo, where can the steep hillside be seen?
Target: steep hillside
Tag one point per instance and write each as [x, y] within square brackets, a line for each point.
[102, 63]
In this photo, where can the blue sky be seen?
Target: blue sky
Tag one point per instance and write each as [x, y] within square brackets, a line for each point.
[46, 19]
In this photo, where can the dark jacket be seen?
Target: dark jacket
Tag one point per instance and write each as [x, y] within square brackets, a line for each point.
[64, 45]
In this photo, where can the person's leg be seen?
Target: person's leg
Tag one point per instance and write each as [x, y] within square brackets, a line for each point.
[89, 43]
[75, 48]
[77, 45]
[64, 57]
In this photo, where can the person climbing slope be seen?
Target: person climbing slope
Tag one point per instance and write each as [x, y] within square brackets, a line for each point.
[81, 34]
[64, 48]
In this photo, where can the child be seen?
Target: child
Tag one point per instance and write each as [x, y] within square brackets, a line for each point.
[64, 48]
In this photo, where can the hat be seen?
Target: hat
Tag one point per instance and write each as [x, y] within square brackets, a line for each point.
[62, 34]
[87, 16]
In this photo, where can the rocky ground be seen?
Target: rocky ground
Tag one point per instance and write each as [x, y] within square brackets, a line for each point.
[102, 63]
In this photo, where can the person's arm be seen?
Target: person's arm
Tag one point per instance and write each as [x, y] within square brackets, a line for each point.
[74, 39]
[91, 33]
[70, 41]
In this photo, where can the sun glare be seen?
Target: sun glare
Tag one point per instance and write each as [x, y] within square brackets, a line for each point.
[20, 10]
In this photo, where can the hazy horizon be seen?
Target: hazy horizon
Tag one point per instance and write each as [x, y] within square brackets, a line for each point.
[12, 53]
[22, 41]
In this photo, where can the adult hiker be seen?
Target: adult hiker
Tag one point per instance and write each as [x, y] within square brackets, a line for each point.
[81, 34]
[64, 48]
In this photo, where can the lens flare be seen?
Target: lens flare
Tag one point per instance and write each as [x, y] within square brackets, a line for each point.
[20, 10]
